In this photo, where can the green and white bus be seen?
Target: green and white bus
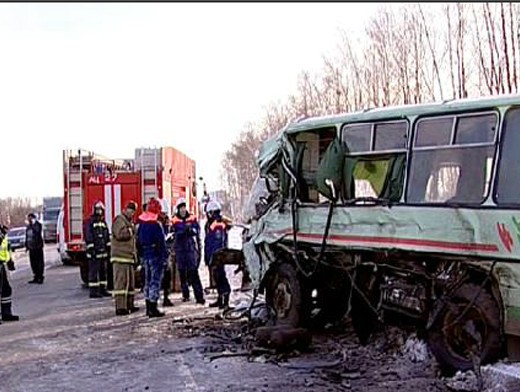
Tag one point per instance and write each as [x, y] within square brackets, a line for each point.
[401, 214]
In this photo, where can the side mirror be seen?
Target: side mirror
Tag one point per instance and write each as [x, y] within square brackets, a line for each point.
[330, 184]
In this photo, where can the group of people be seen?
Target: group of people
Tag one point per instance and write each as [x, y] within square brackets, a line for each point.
[144, 244]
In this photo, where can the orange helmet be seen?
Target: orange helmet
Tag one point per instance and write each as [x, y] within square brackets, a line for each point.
[154, 206]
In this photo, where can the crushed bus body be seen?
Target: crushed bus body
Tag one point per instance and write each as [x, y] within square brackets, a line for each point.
[397, 215]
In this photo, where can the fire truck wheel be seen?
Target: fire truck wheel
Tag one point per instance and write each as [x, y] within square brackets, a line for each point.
[283, 294]
[461, 334]
[83, 270]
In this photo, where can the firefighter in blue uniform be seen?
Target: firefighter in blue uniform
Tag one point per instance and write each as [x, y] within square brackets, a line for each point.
[151, 246]
[187, 247]
[216, 230]
[6, 263]
[97, 240]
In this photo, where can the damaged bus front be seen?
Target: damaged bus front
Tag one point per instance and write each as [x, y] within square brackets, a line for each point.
[397, 214]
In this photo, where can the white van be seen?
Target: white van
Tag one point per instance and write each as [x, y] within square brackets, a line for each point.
[60, 236]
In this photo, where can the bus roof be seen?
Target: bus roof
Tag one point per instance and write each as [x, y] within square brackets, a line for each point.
[395, 112]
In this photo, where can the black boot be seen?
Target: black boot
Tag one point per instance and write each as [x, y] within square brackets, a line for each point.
[225, 302]
[122, 312]
[217, 304]
[103, 292]
[94, 293]
[10, 317]
[167, 302]
[7, 314]
[147, 307]
[154, 312]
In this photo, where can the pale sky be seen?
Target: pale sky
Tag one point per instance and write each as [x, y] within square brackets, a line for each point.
[113, 77]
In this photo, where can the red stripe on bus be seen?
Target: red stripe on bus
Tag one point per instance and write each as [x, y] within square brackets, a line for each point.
[402, 241]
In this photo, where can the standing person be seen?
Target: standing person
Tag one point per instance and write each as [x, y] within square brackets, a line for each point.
[6, 263]
[34, 245]
[187, 249]
[152, 249]
[166, 284]
[97, 239]
[216, 237]
[123, 258]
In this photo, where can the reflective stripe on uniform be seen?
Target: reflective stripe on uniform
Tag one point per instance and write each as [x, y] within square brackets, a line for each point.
[109, 244]
[93, 284]
[6, 300]
[103, 282]
[119, 292]
[122, 260]
[99, 224]
[101, 255]
[90, 246]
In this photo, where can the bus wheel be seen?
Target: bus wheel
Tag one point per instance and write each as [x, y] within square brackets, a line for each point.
[283, 294]
[461, 335]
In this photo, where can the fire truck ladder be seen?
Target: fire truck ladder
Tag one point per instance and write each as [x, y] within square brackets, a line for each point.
[74, 167]
[148, 158]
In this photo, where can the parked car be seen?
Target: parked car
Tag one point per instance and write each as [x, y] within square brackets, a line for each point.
[16, 237]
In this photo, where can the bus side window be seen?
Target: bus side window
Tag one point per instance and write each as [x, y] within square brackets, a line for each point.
[508, 184]
[451, 159]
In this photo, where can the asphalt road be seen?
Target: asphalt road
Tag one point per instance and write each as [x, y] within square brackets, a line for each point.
[67, 342]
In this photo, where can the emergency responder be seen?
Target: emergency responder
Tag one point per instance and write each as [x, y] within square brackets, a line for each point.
[166, 284]
[152, 249]
[123, 258]
[216, 235]
[6, 263]
[34, 245]
[97, 239]
[187, 249]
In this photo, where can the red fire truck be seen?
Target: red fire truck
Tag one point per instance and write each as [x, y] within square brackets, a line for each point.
[164, 173]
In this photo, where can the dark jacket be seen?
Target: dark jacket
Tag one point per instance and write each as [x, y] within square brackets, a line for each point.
[150, 239]
[187, 241]
[97, 237]
[34, 236]
[216, 237]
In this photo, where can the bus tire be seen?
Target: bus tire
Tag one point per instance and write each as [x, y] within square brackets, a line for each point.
[284, 295]
[449, 338]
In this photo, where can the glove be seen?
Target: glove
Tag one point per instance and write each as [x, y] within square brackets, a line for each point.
[10, 265]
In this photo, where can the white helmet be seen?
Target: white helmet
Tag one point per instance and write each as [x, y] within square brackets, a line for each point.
[164, 206]
[180, 200]
[213, 205]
